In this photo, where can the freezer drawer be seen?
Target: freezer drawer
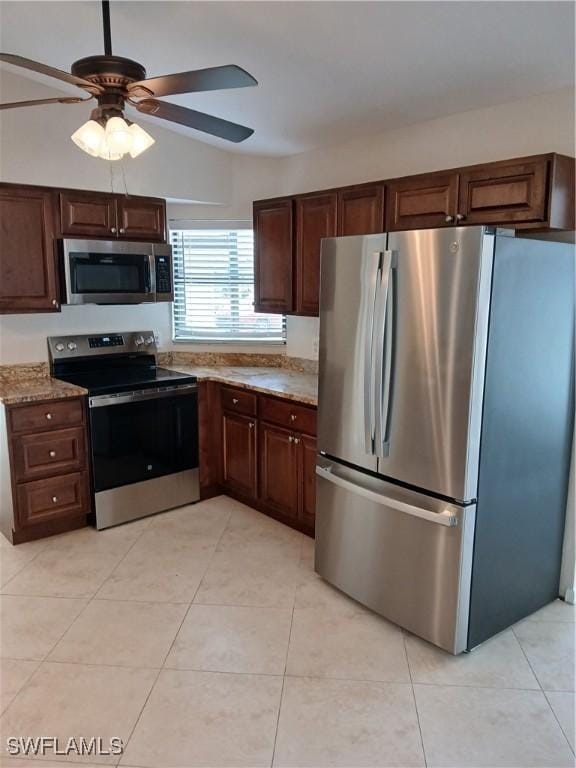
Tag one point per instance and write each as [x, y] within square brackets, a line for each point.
[405, 555]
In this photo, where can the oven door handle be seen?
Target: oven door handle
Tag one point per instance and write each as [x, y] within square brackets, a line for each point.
[101, 401]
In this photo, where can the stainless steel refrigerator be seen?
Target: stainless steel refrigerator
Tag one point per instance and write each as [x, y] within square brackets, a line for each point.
[445, 421]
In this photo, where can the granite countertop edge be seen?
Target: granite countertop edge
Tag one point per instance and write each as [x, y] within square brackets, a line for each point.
[277, 382]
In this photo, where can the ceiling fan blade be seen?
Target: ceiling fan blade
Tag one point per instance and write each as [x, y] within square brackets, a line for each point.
[44, 69]
[200, 121]
[37, 102]
[210, 79]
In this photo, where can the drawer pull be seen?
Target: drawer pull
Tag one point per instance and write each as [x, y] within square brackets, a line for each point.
[49, 416]
[54, 499]
[235, 400]
[52, 454]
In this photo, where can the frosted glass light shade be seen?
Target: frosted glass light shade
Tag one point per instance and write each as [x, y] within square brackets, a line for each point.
[118, 136]
[114, 141]
[89, 137]
[140, 140]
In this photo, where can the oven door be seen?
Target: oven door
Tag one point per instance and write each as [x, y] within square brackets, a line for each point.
[108, 272]
[139, 436]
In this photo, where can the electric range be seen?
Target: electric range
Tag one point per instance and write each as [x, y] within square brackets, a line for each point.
[143, 422]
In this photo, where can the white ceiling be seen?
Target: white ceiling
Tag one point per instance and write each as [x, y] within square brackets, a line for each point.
[328, 71]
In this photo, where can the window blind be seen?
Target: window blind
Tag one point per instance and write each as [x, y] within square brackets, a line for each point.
[214, 288]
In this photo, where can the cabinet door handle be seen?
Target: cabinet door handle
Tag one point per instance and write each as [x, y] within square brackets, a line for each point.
[49, 416]
[296, 440]
[251, 425]
[54, 499]
[449, 219]
[235, 400]
[460, 217]
[52, 454]
[113, 230]
[291, 439]
[122, 230]
[293, 417]
[54, 302]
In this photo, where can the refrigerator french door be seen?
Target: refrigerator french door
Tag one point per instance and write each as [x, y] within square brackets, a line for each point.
[403, 333]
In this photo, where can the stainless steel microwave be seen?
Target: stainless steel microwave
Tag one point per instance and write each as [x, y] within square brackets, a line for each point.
[115, 272]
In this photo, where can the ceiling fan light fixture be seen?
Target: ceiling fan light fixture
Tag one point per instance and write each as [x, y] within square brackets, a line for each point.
[118, 136]
[141, 140]
[89, 137]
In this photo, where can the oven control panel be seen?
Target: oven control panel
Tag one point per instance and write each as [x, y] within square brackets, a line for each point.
[163, 274]
[95, 342]
[89, 345]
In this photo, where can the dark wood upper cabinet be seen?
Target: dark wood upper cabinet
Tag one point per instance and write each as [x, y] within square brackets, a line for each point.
[141, 218]
[417, 202]
[307, 481]
[361, 210]
[87, 214]
[273, 256]
[315, 219]
[28, 278]
[239, 454]
[279, 470]
[504, 193]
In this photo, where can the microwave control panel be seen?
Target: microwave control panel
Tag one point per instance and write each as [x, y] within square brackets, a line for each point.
[163, 274]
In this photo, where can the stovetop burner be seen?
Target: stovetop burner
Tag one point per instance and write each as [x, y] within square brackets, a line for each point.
[110, 363]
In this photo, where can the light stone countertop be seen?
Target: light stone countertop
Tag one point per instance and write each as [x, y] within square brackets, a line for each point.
[18, 391]
[291, 385]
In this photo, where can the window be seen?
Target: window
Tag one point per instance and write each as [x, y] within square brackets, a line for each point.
[214, 288]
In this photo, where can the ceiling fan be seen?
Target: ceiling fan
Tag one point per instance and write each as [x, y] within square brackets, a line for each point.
[116, 82]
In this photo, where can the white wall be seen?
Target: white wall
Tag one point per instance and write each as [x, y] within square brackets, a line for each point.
[39, 151]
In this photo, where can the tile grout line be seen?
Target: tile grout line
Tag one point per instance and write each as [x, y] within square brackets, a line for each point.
[556, 717]
[542, 691]
[414, 697]
[162, 667]
[286, 663]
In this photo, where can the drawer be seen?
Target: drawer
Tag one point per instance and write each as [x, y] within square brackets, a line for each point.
[288, 414]
[51, 414]
[52, 498]
[239, 401]
[49, 453]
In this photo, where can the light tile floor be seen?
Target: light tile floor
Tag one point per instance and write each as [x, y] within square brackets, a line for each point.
[203, 637]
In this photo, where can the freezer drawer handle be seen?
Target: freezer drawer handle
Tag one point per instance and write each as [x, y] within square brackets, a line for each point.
[441, 518]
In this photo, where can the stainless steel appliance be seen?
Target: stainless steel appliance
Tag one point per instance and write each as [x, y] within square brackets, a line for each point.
[143, 423]
[445, 421]
[115, 272]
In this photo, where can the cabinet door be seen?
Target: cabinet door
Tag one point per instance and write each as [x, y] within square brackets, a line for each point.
[419, 202]
[278, 471]
[273, 256]
[87, 214]
[307, 481]
[28, 280]
[239, 451]
[504, 193]
[141, 218]
[361, 210]
[315, 219]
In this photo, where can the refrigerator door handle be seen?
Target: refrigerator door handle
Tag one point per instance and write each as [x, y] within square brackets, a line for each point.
[445, 517]
[383, 334]
[371, 282]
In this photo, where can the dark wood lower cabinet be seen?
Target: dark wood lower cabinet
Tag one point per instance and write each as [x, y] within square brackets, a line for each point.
[239, 444]
[44, 472]
[266, 459]
[307, 482]
[279, 490]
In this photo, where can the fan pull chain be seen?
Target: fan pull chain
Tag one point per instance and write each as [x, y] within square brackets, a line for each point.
[111, 177]
[122, 168]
